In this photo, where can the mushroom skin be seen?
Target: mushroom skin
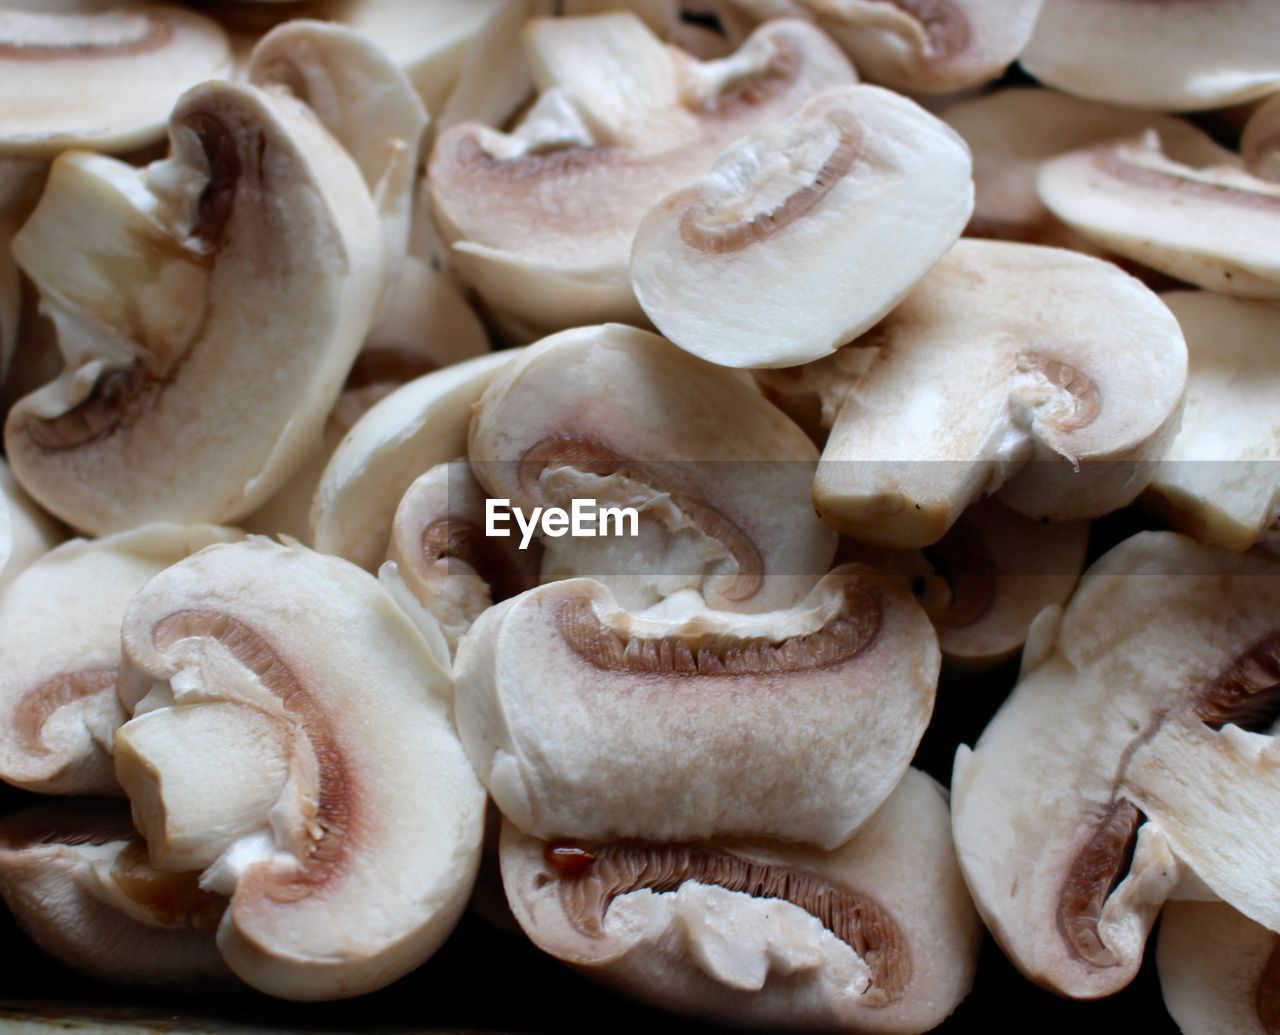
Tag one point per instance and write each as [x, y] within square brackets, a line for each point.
[207, 306]
[586, 721]
[1150, 690]
[1260, 143]
[746, 931]
[361, 865]
[1003, 373]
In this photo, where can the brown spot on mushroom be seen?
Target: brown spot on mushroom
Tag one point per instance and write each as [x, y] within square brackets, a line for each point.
[964, 564]
[619, 868]
[466, 541]
[333, 825]
[40, 703]
[118, 399]
[154, 30]
[843, 637]
[173, 899]
[1094, 873]
[387, 365]
[1247, 692]
[701, 236]
[1086, 398]
[944, 25]
[598, 458]
[1110, 162]
[1266, 994]
[217, 200]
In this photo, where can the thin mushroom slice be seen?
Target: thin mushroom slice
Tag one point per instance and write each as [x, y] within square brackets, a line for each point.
[1260, 144]
[76, 878]
[104, 80]
[26, 531]
[345, 818]
[1219, 971]
[877, 935]
[1050, 377]
[717, 476]
[587, 721]
[1219, 476]
[1189, 56]
[195, 384]
[1133, 756]
[1212, 227]
[20, 186]
[60, 638]
[804, 233]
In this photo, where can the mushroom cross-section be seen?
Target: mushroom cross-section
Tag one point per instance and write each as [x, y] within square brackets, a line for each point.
[1260, 143]
[1133, 755]
[586, 721]
[208, 307]
[26, 532]
[292, 738]
[1050, 377]
[876, 935]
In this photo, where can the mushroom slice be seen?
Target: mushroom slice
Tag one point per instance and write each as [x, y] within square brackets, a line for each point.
[1260, 144]
[806, 232]
[1050, 376]
[877, 935]
[1132, 753]
[1219, 474]
[718, 476]
[440, 548]
[541, 220]
[26, 532]
[208, 307]
[20, 186]
[1219, 971]
[360, 866]
[76, 878]
[1198, 54]
[60, 638]
[584, 720]
[1214, 227]
[104, 80]
[416, 427]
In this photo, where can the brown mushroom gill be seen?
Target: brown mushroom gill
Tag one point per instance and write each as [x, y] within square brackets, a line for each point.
[70, 825]
[841, 639]
[1097, 869]
[1135, 174]
[760, 87]
[699, 234]
[38, 705]
[1266, 993]
[171, 898]
[332, 826]
[592, 456]
[963, 563]
[117, 400]
[591, 878]
[386, 364]
[1083, 391]
[152, 31]
[465, 541]
[1246, 693]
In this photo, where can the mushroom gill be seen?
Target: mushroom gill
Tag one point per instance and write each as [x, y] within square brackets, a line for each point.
[1096, 870]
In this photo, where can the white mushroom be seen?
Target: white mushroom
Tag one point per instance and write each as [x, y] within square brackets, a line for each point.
[26, 531]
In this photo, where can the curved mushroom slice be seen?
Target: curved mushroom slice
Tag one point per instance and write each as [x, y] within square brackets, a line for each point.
[20, 186]
[208, 307]
[877, 935]
[77, 880]
[622, 120]
[1219, 475]
[349, 835]
[1260, 144]
[1197, 54]
[60, 638]
[1050, 376]
[104, 80]
[416, 427]
[1215, 227]
[1219, 971]
[804, 233]
[584, 720]
[26, 532]
[439, 545]
[1127, 756]
[718, 476]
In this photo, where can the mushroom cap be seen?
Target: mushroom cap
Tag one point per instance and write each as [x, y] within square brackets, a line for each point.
[361, 867]
[1049, 376]
[586, 721]
[1146, 696]
[195, 386]
[105, 80]
[674, 924]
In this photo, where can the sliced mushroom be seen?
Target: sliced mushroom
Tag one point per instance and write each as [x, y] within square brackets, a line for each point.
[1049, 376]
[345, 819]
[584, 720]
[717, 475]
[1219, 475]
[1213, 227]
[208, 307]
[804, 233]
[105, 80]
[20, 186]
[60, 638]
[877, 935]
[26, 532]
[1260, 144]
[1182, 57]
[622, 120]
[1219, 971]
[1132, 753]
[76, 878]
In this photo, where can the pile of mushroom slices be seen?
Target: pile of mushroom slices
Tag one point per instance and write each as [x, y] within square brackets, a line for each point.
[863, 346]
